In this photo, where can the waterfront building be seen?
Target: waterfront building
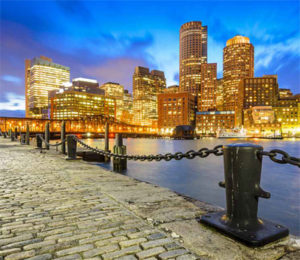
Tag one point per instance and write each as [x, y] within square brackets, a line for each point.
[208, 123]
[260, 121]
[192, 53]
[42, 76]
[219, 95]
[287, 113]
[70, 104]
[285, 93]
[171, 89]
[116, 91]
[208, 87]
[175, 109]
[146, 86]
[85, 85]
[238, 63]
[257, 91]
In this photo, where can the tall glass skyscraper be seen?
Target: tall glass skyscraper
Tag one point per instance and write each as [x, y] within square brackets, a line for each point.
[42, 76]
[192, 53]
[238, 63]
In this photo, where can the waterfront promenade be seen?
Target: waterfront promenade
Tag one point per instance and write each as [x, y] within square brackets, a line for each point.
[51, 208]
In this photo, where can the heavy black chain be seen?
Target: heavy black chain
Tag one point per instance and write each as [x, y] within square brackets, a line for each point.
[191, 154]
[57, 144]
[285, 157]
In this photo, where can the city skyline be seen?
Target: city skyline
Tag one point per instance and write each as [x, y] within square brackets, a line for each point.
[138, 45]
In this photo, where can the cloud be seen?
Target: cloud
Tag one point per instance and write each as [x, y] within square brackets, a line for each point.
[116, 70]
[265, 55]
[10, 78]
[13, 102]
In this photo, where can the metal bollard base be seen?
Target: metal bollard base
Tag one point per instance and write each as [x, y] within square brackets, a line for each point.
[266, 233]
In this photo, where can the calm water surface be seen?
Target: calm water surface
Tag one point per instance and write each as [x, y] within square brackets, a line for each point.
[199, 178]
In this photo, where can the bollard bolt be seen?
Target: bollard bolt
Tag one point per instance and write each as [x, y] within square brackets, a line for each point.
[242, 171]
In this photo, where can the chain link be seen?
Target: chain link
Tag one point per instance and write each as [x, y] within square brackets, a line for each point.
[285, 157]
[57, 144]
[202, 153]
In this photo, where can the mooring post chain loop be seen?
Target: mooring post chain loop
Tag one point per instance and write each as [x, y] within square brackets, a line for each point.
[57, 144]
[285, 157]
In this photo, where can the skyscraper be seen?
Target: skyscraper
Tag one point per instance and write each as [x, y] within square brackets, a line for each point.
[208, 87]
[42, 76]
[146, 86]
[192, 53]
[238, 63]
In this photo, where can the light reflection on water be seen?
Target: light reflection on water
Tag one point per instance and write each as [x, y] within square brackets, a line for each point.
[199, 178]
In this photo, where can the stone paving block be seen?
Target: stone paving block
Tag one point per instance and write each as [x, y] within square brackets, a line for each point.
[39, 245]
[41, 257]
[22, 243]
[11, 240]
[9, 251]
[126, 257]
[150, 252]
[174, 253]
[101, 250]
[155, 243]
[20, 255]
[70, 257]
[73, 250]
[132, 242]
[122, 252]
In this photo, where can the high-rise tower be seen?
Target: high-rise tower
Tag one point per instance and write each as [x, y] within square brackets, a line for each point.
[42, 76]
[193, 52]
[238, 63]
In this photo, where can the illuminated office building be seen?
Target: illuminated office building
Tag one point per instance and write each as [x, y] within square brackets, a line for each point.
[175, 109]
[258, 91]
[171, 89]
[146, 86]
[70, 104]
[127, 113]
[285, 93]
[238, 63]
[208, 123]
[42, 76]
[287, 113]
[192, 53]
[208, 87]
[116, 91]
[219, 95]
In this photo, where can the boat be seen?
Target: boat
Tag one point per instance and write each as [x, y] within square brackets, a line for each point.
[232, 133]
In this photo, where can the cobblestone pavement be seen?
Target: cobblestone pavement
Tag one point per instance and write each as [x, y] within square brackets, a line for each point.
[51, 208]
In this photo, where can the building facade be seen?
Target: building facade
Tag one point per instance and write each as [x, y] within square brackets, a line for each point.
[220, 95]
[208, 87]
[209, 123]
[116, 91]
[258, 91]
[175, 109]
[146, 86]
[71, 104]
[285, 93]
[42, 76]
[238, 63]
[192, 53]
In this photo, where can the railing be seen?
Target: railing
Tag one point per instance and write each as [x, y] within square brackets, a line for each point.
[242, 173]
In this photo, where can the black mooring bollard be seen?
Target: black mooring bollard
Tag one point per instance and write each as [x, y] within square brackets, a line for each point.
[72, 147]
[119, 164]
[22, 139]
[63, 137]
[16, 133]
[47, 135]
[106, 147]
[242, 170]
[39, 143]
[9, 132]
[5, 135]
[27, 137]
[12, 135]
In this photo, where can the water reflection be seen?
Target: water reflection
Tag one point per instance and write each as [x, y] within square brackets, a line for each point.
[198, 178]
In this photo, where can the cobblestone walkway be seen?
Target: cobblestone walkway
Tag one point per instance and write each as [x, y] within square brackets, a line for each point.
[51, 208]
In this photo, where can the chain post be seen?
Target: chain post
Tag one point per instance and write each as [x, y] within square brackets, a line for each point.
[47, 135]
[27, 138]
[63, 137]
[72, 147]
[39, 143]
[16, 133]
[5, 135]
[119, 164]
[22, 139]
[242, 171]
[12, 136]
[106, 137]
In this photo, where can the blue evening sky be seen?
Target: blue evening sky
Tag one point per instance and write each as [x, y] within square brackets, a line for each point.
[105, 40]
